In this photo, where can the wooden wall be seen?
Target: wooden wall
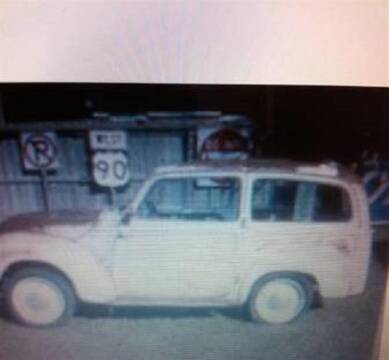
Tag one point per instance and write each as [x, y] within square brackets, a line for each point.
[71, 186]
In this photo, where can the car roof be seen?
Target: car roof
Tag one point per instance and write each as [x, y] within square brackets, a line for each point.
[263, 166]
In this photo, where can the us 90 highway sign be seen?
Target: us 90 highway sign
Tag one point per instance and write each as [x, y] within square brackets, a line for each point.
[110, 169]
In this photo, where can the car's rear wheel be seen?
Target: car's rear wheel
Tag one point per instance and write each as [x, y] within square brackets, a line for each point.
[38, 297]
[279, 300]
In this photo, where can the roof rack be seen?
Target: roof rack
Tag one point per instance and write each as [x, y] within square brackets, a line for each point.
[325, 169]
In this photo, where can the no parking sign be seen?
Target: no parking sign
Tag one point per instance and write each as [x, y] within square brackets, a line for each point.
[39, 151]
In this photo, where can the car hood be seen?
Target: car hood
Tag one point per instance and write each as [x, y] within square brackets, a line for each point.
[64, 223]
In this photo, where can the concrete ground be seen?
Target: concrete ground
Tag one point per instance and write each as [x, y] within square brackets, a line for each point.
[340, 329]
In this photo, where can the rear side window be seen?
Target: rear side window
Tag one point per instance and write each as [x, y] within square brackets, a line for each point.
[331, 204]
[288, 200]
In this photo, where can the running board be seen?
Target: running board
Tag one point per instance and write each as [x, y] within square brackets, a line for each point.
[204, 302]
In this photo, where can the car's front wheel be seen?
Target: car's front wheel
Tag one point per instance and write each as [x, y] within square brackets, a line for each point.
[279, 300]
[39, 297]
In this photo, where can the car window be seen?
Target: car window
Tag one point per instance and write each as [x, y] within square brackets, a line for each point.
[301, 201]
[192, 198]
[331, 204]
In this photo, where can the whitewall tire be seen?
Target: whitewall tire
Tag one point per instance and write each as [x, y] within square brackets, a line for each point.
[39, 298]
[279, 300]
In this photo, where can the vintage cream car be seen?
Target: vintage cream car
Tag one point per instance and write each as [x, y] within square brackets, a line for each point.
[266, 235]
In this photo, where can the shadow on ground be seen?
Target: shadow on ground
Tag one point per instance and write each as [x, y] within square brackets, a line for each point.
[103, 311]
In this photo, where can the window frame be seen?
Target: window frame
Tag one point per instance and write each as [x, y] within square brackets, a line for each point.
[152, 181]
[337, 183]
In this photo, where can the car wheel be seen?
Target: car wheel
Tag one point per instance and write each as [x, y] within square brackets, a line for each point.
[39, 298]
[279, 300]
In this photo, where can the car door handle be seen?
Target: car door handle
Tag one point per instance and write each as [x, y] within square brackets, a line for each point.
[343, 247]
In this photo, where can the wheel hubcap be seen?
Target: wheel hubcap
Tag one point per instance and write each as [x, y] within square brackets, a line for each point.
[279, 301]
[38, 301]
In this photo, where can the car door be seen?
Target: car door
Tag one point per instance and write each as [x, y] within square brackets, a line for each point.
[302, 225]
[180, 243]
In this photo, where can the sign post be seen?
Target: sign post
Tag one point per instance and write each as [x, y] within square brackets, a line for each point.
[40, 154]
[109, 162]
[45, 190]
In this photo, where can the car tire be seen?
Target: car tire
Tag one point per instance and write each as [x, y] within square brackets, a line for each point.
[38, 297]
[280, 299]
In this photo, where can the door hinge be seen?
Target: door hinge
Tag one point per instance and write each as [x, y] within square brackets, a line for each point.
[243, 223]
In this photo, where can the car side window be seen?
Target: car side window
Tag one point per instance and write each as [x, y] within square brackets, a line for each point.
[299, 201]
[273, 200]
[332, 204]
[192, 198]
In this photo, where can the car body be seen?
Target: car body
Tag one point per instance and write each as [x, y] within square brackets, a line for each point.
[266, 234]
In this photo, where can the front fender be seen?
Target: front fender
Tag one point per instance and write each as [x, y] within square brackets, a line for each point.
[92, 282]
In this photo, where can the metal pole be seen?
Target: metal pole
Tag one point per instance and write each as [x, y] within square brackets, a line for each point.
[113, 197]
[44, 185]
[191, 144]
[2, 115]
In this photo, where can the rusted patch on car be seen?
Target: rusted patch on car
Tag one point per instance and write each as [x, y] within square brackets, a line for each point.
[11, 253]
[37, 221]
